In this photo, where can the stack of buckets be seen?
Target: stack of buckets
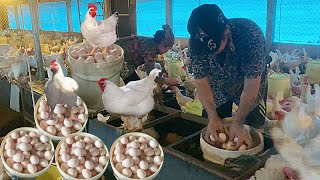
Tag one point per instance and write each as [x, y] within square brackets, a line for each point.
[87, 76]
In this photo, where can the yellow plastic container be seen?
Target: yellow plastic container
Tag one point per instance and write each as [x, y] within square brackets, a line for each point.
[193, 107]
[52, 174]
[174, 68]
[313, 71]
[279, 82]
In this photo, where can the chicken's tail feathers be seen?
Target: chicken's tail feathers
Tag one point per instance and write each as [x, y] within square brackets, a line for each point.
[154, 73]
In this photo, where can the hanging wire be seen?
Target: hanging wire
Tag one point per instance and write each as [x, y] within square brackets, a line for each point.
[26, 54]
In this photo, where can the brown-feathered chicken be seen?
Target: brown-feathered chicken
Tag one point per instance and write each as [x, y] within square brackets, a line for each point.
[99, 33]
[134, 99]
[60, 89]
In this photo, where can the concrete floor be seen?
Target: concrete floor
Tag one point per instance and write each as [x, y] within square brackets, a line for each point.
[9, 119]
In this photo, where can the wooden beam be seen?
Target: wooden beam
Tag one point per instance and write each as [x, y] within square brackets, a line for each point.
[69, 15]
[133, 16]
[169, 13]
[107, 8]
[271, 16]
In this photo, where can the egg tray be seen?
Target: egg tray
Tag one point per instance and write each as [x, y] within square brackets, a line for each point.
[244, 167]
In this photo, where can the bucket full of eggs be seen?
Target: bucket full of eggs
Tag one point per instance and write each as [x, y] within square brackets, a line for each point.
[26, 153]
[81, 156]
[57, 124]
[136, 156]
[87, 70]
[218, 153]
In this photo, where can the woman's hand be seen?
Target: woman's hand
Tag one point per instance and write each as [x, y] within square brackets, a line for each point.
[238, 130]
[215, 126]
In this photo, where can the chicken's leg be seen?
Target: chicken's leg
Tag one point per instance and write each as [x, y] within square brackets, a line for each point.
[141, 124]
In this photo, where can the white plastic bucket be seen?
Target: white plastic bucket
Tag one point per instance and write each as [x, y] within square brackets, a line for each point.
[87, 76]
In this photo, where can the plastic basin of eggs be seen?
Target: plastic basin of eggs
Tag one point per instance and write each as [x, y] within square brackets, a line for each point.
[60, 123]
[81, 156]
[81, 54]
[227, 143]
[136, 157]
[25, 152]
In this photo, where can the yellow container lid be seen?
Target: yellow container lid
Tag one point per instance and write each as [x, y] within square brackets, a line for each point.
[278, 76]
[51, 174]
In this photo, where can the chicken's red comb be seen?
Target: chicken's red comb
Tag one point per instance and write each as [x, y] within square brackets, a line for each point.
[101, 83]
[92, 6]
[52, 62]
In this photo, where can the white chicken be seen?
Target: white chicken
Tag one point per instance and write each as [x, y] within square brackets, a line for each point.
[134, 99]
[99, 33]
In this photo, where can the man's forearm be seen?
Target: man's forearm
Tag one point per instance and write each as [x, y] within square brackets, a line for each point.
[205, 95]
[248, 98]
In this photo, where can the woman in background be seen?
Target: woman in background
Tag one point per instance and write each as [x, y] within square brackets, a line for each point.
[139, 50]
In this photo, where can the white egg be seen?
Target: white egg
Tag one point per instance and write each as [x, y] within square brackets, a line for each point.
[120, 157]
[135, 144]
[32, 168]
[81, 109]
[98, 168]
[82, 118]
[156, 151]
[131, 138]
[42, 109]
[134, 169]
[25, 139]
[59, 109]
[18, 167]
[34, 141]
[103, 160]
[48, 155]
[26, 155]
[68, 123]
[153, 168]
[33, 134]
[19, 140]
[157, 160]
[98, 144]
[44, 115]
[136, 160]
[79, 169]
[223, 137]
[65, 131]
[243, 147]
[94, 159]
[82, 160]
[143, 165]
[148, 152]
[74, 110]
[17, 147]
[127, 172]
[143, 140]
[8, 146]
[73, 163]
[94, 152]
[127, 163]
[43, 163]
[51, 129]
[18, 157]
[88, 147]
[141, 173]
[119, 167]
[44, 139]
[34, 160]
[69, 140]
[23, 147]
[80, 144]
[11, 152]
[124, 140]
[47, 146]
[14, 135]
[87, 140]
[77, 126]
[79, 101]
[118, 151]
[78, 152]
[65, 157]
[153, 144]
[39, 154]
[9, 140]
[60, 117]
[89, 165]
[102, 152]
[64, 145]
[25, 163]
[134, 152]
[86, 173]
[72, 172]
[43, 102]
[39, 146]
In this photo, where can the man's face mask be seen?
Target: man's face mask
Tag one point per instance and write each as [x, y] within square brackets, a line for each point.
[212, 43]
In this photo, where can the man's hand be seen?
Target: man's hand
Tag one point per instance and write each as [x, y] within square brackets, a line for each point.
[237, 130]
[215, 126]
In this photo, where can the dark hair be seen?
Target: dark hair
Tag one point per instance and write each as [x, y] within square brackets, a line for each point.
[159, 36]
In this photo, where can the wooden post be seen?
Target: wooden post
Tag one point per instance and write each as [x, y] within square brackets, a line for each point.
[107, 8]
[271, 16]
[169, 13]
[34, 10]
[133, 16]
[69, 15]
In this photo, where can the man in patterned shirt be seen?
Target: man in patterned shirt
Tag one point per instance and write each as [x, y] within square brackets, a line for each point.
[228, 61]
[139, 50]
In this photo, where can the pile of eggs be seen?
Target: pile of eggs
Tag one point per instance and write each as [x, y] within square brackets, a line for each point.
[80, 54]
[27, 152]
[60, 124]
[81, 157]
[137, 157]
[227, 144]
